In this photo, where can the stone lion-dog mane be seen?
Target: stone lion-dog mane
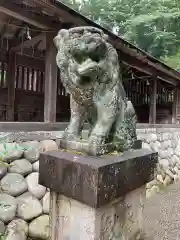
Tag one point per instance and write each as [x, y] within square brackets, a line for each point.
[90, 72]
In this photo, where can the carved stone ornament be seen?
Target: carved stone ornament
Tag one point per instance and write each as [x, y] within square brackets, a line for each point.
[90, 72]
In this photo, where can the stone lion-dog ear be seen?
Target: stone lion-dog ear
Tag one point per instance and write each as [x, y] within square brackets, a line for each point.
[62, 34]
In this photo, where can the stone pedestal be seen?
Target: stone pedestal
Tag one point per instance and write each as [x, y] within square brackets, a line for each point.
[96, 198]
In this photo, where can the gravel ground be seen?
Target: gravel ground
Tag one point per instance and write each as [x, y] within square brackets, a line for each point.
[162, 215]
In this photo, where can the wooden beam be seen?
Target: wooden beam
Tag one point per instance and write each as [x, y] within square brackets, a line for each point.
[30, 62]
[33, 54]
[11, 73]
[152, 107]
[143, 66]
[4, 29]
[21, 13]
[56, 7]
[157, 68]
[28, 43]
[28, 52]
[50, 94]
[137, 78]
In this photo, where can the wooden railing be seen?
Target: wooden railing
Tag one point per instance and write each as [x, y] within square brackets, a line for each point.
[29, 79]
[139, 92]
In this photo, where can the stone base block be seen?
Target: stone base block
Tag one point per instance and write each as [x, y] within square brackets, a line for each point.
[96, 181]
[118, 220]
[96, 198]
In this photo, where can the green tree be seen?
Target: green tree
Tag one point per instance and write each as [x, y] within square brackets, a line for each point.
[152, 25]
[155, 27]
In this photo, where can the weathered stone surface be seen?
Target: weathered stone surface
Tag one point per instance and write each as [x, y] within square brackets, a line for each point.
[177, 179]
[10, 152]
[29, 206]
[146, 146]
[48, 145]
[165, 136]
[32, 155]
[120, 131]
[161, 171]
[2, 228]
[8, 208]
[164, 163]
[39, 227]
[167, 153]
[163, 154]
[170, 151]
[28, 145]
[15, 236]
[17, 230]
[21, 166]
[170, 173]
[96, 181]
[2, 149]
[13, 155]
[155, 146]
[175, 159]
[36, 166]
[152, 138]
[13, 184]
[177, 151]
[31, 152]
[122, 219]
[34, 187]
[3, 170]
[176, 169]
[167, 180]
[160, 178]
[151, 184]
[46, 203]
[171, 168]
[177, 165]
[165, 144]
[151, 192]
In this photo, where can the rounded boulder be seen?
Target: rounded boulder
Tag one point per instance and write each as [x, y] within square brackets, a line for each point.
[39, 227]
[8, 208]
[21, 166]
[34, 187]
[13, 184]
[29, 206]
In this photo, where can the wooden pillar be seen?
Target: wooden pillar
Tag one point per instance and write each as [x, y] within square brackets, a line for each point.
[50, 92]
[152, 107]
[11, 77]
[176, 105]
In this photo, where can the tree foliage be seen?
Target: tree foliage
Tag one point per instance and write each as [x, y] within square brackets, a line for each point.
[152, 25]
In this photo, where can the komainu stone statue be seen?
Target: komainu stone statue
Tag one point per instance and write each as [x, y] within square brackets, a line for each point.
[90, 72]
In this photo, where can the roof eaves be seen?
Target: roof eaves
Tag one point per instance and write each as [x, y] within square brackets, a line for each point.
[114, 36]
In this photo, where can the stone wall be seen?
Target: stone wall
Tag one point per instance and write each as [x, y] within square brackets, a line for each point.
[24, 204]
[165, 141]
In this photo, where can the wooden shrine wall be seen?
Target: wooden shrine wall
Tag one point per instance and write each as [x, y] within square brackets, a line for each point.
[29, 95]
[139, 92]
